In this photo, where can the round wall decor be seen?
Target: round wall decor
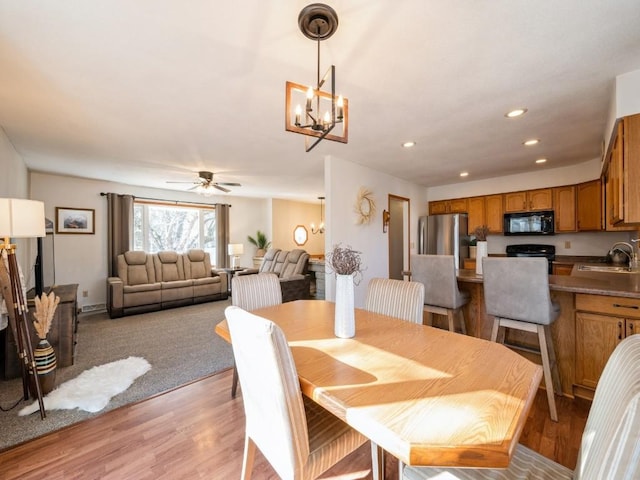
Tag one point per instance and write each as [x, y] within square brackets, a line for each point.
[365, 206]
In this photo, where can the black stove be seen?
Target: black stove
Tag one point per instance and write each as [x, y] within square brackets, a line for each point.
[533, 250]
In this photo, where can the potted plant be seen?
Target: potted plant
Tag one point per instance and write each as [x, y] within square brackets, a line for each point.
[261, 242]
[472, 247]
[347, 265]
[480, 234]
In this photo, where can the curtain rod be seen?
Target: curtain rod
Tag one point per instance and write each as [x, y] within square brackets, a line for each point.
[103, 194]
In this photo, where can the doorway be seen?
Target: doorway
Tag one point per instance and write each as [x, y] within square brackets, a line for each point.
[399, 235]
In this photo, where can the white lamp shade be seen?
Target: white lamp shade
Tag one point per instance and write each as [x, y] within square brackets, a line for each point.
[21, 218]
[235, 249]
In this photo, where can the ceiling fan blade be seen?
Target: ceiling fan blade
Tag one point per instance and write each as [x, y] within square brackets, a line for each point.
[228, 184]
[170, 181]
[225, 190]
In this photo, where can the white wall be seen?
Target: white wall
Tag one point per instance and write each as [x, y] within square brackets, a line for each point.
[343, 180]
[14, 183]
[543, 178]
[625, 100]
[287, 215]
[82, 259]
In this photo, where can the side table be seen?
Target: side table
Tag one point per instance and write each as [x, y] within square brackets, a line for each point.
[62, 335]
[230, 273]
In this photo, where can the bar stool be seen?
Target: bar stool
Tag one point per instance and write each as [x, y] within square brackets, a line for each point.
[441, 293]
[516, 294]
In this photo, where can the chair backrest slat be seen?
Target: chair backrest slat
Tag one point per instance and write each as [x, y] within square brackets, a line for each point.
[610, 445]
[275, 415]
[404, 300]
[251, 292]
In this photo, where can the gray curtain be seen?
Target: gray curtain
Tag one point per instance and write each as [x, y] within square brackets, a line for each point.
[222, 235]
[120, 228]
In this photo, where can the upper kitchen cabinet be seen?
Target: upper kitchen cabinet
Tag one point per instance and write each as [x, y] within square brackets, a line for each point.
[622, 195]
[456, 205]
[540, 199]
[494, 213]
[589, 212]
[564, 199]
[485, 210]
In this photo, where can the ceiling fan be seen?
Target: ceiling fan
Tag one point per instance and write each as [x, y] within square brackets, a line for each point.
[205, 184]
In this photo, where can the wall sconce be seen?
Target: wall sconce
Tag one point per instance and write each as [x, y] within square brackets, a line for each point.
[385, 220]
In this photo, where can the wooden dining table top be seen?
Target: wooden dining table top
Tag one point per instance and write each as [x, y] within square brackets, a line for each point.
[427, 396]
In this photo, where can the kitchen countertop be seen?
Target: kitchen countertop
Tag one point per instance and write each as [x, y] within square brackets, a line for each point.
[571, 259]
[592, 283]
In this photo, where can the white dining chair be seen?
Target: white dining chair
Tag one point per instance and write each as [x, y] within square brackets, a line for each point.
[251, 292]
[299, 438]
[610, 446]
[395, 298]
[400, 299]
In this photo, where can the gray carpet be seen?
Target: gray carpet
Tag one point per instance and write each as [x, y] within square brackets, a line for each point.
[179, 343]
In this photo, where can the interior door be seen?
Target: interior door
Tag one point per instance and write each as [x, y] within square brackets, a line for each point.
[398, 236]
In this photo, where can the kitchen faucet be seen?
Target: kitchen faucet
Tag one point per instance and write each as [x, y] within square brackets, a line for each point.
[630, 254]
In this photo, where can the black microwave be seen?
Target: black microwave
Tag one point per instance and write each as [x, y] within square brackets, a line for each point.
[529, 223]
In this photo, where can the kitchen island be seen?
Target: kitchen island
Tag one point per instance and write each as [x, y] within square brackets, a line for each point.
[598, 309]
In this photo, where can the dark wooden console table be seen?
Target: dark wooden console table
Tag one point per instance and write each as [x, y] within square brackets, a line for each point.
[62, 335]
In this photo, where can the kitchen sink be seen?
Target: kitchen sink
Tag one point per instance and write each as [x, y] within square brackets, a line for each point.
[604, 268]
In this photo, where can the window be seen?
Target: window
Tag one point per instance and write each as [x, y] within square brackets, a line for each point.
[159, 226]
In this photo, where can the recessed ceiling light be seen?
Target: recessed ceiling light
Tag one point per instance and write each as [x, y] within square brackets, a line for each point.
[541, 160]
[533, 141]
[464, 174]
[408, 144]
[515, 113]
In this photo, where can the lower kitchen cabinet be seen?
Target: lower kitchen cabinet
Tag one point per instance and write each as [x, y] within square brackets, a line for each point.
[601, 323]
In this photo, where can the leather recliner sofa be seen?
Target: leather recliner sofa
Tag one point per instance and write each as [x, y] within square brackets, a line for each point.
[291, 268]
[149, 282]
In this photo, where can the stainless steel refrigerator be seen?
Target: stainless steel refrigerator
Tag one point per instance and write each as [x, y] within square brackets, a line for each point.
[444, 235]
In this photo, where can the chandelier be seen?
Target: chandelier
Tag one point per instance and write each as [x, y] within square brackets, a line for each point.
[320, 228]
[323, 110]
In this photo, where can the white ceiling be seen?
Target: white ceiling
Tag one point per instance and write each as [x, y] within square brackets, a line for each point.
[146, 91]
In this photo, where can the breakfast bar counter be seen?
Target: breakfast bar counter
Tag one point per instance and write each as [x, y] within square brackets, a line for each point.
[598, 309]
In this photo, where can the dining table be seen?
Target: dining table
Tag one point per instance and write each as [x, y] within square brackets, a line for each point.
[428, 396]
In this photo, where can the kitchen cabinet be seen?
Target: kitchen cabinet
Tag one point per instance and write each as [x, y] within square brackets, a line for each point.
[564, 199]
[601, 323]
[476, 212]
[494, 213]
[528, 200]
[485, 210]
[622, 196]
[456, 205]
[589, 206]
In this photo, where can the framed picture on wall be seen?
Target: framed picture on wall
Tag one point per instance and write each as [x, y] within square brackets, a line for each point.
[75, 220]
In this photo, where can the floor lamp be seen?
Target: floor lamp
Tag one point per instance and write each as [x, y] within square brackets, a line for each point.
[20, 218]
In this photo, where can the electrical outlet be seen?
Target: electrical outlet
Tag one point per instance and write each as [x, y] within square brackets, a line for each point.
[85, 293]
[567, 244]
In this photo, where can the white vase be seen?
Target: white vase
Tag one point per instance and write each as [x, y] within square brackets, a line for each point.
[481, 252]
[345, 322]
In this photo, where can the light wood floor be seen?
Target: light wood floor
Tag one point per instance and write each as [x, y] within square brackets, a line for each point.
[197, 431]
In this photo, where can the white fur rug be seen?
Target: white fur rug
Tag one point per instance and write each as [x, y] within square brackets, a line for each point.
[93, 388]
